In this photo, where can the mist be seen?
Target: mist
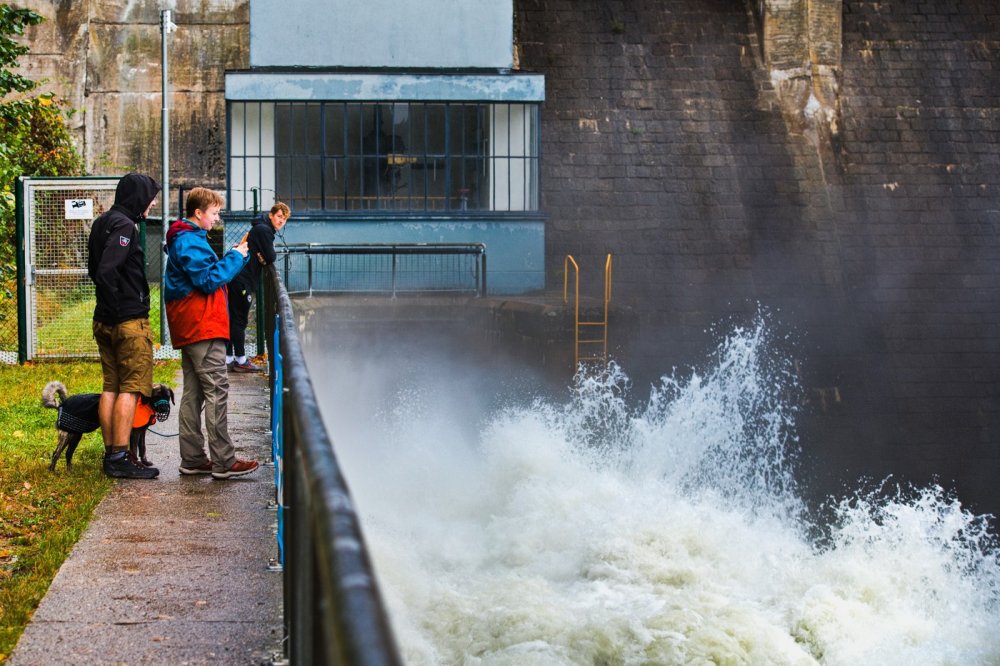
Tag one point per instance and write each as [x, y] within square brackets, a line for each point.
[605, 523]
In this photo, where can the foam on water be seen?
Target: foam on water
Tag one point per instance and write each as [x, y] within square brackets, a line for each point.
[595, 532]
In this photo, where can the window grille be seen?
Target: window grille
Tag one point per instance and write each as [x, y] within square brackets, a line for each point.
[372, 156]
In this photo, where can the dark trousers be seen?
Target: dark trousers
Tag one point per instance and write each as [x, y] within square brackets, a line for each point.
[240, 300]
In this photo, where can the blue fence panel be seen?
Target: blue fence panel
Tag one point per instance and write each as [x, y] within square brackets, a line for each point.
[277, 448]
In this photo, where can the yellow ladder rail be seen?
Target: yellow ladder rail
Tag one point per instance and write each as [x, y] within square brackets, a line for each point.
[601, 326]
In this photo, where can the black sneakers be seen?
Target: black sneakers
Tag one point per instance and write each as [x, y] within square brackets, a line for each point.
[126, 468]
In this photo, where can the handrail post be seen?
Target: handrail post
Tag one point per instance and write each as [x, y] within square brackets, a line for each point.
[309, 272]
[394, 271]
[482, 262]
[607, 282]
[576, 305]
[607, 301]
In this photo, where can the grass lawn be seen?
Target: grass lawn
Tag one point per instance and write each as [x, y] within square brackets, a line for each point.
[42, 513]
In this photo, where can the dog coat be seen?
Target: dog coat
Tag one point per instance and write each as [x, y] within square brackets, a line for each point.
[144, 415]
[76, 412]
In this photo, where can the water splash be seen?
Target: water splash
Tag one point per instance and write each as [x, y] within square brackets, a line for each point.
[594, 531]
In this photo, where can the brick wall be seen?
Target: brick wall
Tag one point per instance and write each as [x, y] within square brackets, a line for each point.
[918, 165]
[664, 142]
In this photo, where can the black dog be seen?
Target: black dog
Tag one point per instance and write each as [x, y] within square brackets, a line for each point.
[78, 416]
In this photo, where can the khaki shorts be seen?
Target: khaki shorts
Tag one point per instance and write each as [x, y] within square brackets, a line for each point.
[126, 356]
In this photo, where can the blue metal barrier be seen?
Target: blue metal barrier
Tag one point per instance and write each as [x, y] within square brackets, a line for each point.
[277, 447]
[389, 268]
[334, 612]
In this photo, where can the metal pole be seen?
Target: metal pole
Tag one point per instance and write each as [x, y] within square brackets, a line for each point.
[166, 27]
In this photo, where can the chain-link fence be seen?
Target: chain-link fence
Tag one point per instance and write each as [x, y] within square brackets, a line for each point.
[235, 224]
[55, 298]
[47, 305]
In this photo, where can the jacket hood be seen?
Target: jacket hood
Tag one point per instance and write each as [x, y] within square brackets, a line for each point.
[134, 193]
[180, 227]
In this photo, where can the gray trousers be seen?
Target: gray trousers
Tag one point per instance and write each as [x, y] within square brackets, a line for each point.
[206, 386]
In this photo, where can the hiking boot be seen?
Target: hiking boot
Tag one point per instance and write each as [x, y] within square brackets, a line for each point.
[239, 468]
[204, 468]
[246, 366]
[126, 468]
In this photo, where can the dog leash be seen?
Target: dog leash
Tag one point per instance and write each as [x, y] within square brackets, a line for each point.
[174, 434]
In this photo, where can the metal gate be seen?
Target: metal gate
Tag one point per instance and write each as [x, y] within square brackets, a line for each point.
[55, 296]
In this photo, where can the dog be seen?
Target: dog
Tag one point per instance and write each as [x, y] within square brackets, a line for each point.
[78, 416]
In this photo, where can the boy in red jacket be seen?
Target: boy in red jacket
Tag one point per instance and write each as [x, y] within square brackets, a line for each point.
[194, 288]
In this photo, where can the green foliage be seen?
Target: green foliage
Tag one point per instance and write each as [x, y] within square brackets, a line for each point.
[34, 141]
[13, 22]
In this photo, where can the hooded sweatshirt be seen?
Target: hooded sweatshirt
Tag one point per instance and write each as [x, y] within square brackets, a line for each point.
[116, 261]
[260, 242]
[194, 286]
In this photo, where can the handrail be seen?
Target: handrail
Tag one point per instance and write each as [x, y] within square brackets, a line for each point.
[603, 340]
[334, 612]
[607, 286]
[576, 304]
[394, 250]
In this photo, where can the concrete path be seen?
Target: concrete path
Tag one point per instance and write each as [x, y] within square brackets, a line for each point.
[173, 570]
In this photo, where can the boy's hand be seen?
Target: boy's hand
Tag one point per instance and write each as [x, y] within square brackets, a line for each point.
[242, 248]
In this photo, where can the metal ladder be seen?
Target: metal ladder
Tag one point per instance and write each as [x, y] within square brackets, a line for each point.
[597, 330]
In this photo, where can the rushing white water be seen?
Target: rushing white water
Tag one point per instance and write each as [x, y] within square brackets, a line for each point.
[595, 532]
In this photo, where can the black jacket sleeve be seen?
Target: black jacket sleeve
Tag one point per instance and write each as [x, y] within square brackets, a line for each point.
[118, 240]
[261, 244]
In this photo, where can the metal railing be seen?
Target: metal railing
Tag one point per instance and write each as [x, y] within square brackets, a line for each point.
[390, 268]
[600, 327]
[334, 612]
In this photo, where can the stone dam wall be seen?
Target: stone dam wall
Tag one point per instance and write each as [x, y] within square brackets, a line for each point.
[862, 210]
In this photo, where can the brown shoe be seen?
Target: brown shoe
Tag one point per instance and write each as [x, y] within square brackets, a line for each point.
[239, 468]
[204, 468]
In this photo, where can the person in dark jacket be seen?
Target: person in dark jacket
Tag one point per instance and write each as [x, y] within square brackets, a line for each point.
[260, 240]
[117, 265]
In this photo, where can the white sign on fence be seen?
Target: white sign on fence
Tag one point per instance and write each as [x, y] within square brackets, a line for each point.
[79, 209]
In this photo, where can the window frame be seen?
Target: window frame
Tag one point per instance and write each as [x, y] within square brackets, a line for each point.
[520, 159]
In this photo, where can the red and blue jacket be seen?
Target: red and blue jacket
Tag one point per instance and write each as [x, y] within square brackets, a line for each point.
[194, 286]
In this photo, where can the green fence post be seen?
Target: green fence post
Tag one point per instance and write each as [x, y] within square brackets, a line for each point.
[22, 290]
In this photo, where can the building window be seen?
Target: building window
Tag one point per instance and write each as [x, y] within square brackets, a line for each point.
[394, 156]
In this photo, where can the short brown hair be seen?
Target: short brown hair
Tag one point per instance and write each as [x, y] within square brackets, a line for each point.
[200, 198]
[282, 207]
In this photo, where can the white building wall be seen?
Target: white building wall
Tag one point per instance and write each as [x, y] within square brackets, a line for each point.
[382, 33]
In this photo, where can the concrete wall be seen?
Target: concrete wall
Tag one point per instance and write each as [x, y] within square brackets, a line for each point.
[382, 33]
[104, 57]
